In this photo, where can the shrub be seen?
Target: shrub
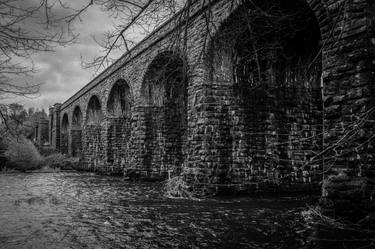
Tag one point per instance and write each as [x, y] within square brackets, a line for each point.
[176, 187]
[54, 160]
[47, 150]
[22, 154]
[58, 160]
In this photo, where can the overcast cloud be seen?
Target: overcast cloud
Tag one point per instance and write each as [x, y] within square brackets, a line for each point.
[60, 73]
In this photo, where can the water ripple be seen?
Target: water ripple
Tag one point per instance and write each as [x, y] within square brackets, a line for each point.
[71, 210]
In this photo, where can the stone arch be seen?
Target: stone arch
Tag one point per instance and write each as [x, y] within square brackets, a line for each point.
[322, 16]
[64, 146]
[119, 105]
[94, 113]
[77, 118]
[317, 7]
[119, 99]
[93, 154]
[265, 84]
[76, 132]
[164, 96]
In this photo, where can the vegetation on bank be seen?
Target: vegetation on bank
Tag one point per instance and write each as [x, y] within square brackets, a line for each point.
[20, 154]
[175, 187]
[329, 231]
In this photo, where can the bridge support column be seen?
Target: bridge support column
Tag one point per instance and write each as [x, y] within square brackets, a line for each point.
[54, 126]
[118, 134]
[94, 147]
[147, 148]
[349, 184]
[75, 148]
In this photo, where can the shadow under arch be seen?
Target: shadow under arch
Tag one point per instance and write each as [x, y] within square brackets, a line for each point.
[265, 61]
[164, 98]
[94, 113]
[119, 105]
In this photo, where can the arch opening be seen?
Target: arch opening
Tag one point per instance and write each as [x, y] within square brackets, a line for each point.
[119, 100]
[266, 57]
[77, 117]
[76, 132]
[164, 95]
[64, 134]
[119, 123]
[94, 114]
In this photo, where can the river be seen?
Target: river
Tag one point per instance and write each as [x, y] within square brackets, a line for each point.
[83, 210]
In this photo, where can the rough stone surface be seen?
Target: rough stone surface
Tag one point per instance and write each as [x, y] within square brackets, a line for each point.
[219, 132]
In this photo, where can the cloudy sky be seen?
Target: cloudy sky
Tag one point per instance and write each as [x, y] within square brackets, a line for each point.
[60, 73]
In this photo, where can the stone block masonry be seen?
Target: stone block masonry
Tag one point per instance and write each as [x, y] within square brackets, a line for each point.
[232, 106]
[76, 142]
[118, 135]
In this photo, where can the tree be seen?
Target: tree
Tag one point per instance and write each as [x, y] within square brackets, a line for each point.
[26, 29]
[29, 27]
[145, 15]
[18, 121]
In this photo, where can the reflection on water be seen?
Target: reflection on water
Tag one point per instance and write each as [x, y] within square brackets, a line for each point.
[74, 210]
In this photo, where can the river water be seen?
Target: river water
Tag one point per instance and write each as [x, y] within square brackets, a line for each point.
[82, 210]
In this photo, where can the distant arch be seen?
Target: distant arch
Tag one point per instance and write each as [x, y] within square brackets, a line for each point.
[77, 117]
[76, 132]
[64, 143]
[119, 99]
[94, 113]
[65, 123]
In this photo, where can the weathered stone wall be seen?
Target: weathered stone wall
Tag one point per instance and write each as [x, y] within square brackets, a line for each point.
[118, 135]
[154, 143]
[237, 136]
[157, 143]
[76, 142]
[348, 80]
[93, 150]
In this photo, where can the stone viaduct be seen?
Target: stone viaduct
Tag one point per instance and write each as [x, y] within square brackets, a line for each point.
[188, 101]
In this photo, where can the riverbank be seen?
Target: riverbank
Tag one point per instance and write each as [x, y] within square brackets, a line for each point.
[50, 164]
[20, 154]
